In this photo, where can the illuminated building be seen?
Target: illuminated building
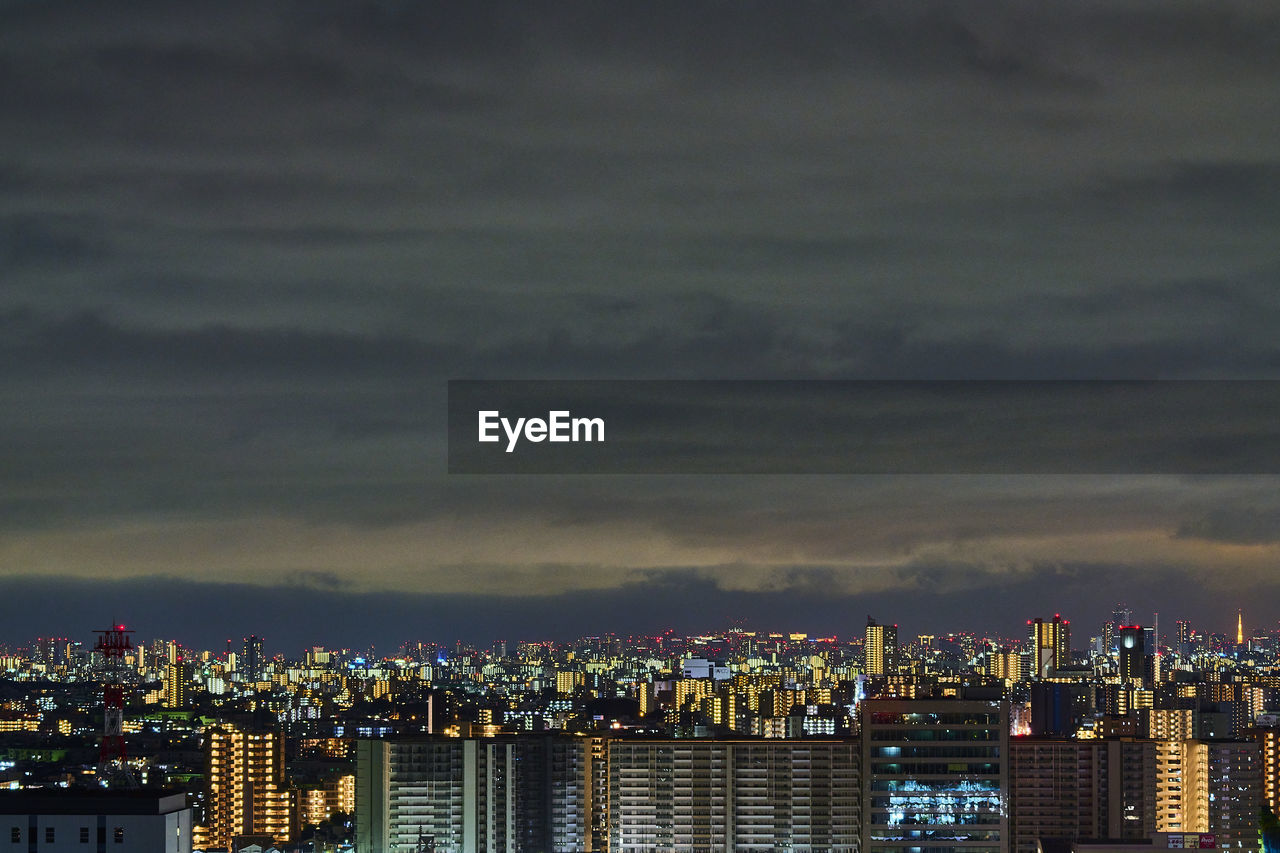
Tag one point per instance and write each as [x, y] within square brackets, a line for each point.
[1269, 754]
[567, 681]
[246, 789]
[1184, 639]
[936, 775]
[474, 796]
[1211, 786]
[881, 648]
[122, 822]
[1172, 723]
[1066, 789]
[703, 794]
[1133, 667]
[1050, 646]
[177, 680]
[318, 803]
[251, 663]
[1239, 627]
[1009, 665]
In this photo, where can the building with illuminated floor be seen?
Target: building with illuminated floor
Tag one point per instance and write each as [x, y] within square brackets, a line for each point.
[936, 776]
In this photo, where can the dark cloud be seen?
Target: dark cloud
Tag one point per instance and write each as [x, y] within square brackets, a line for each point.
[1235, 526]
[244, 245]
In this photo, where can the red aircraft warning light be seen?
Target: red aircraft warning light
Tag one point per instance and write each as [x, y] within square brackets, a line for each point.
[113, 643]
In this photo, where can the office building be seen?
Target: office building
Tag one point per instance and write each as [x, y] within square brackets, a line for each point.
[1133, 665]
[936, 775]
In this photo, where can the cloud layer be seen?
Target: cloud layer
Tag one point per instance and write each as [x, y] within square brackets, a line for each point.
[243, 247]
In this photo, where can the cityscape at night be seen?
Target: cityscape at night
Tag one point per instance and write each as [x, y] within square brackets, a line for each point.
[639, 427]
[1124, 733]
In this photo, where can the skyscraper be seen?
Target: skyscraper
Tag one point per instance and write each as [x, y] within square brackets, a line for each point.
[1184, 638]
[251, 660]
[880, 649]
[1050, 645]
[177, 679]
[1132, 642]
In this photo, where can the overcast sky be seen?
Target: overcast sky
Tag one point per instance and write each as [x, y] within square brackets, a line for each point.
[243, 246]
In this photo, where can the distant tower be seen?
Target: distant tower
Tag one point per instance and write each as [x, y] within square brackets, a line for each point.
[113, 643]
[880, 649]
[1184, 638]
[251, 664]
[1239, 627]
[1133, 664]
[1050, 645]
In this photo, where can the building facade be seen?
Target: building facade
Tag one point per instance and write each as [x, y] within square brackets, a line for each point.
[936, 776]
[57, 821]
[245, 788]
[474, 795]
[699, 795]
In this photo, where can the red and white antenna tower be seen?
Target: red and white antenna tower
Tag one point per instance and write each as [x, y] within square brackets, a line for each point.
[113, 643]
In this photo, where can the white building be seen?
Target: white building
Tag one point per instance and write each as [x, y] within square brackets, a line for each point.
[71, 821]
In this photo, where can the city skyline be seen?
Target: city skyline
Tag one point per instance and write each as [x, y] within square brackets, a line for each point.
[244, 249]
[1086, 633]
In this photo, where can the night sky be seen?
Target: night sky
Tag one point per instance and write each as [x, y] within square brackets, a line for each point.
[243, 245]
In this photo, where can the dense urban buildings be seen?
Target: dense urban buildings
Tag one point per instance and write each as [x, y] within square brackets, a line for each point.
[735, 740]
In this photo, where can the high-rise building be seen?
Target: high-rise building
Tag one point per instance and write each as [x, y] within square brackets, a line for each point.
[881, 648]
[1184, 638]
[251, 663]
[1068, 789]
[246, 792]
[177, 683]
[1133, 666]
[936, 775]
[476, 795]
[1050, 645]
[1213, 786]
[1268, 739]
[704, 794]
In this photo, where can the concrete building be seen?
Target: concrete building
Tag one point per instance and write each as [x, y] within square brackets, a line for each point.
[246, 788]
[936, 776]
[463, 795]
[1065, 789]
[68, 821]
[1210, 787]
[741, 795]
